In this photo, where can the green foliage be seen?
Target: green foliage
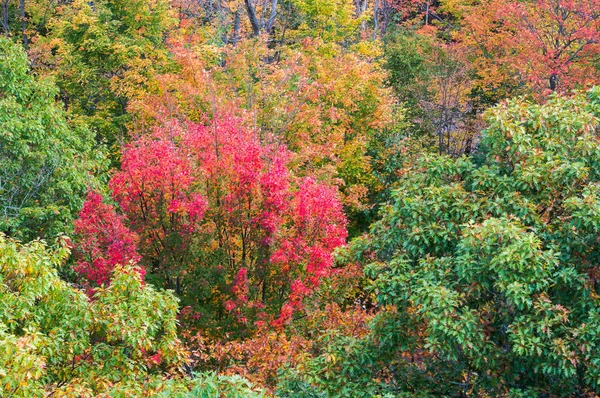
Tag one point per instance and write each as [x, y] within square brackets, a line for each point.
[106, 53]
[210, 385]
[333, 21]
[343, 370]
[55, 339]
[292, 385]
[120, 343]
[410, 73]
[486, 268]
[46, 161]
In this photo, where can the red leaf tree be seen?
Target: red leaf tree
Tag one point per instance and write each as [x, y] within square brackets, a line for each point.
[103, 241]
[552, 45]
[223, 222]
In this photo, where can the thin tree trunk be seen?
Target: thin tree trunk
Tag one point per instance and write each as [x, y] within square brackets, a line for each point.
[361, 7]
[236, 28]
[386, 17]
[448, 137]
[23, 22]
[553, 81]
[5, 17]
[252, 17]
[271, 20]
[375, 19]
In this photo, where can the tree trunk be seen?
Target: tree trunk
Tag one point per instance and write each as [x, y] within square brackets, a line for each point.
[5, 26]
[236, 28]
[23, 22]
[386, 17]
[252, 17]
[375, 19]
[553, 81]
[271, 20]
[361, 7]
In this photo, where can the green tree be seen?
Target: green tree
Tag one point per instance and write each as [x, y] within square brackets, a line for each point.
[54, 340]
[105, 53]
[433, 77]
[46, 161]
[486, 269]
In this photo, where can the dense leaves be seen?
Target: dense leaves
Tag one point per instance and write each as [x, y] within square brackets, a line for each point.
[46, 162]
[103, 54]
[552, 45]
[105, 242]
[220, 220]
[55, 339]
[248, 142]
[328, 105]
[122, 342]
[487, 267]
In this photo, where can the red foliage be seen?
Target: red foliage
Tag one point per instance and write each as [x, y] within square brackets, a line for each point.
[103, 241]
[156, 190]
[220, 199]
[552, 45]
[560, 38]
[316, 232]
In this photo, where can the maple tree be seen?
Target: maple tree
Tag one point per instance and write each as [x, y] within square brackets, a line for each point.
[221, 221]
[105, 241]
[550, 45]
[327, 104]
[330, 311]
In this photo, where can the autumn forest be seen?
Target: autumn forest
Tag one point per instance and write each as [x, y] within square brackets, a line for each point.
[300, 198]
